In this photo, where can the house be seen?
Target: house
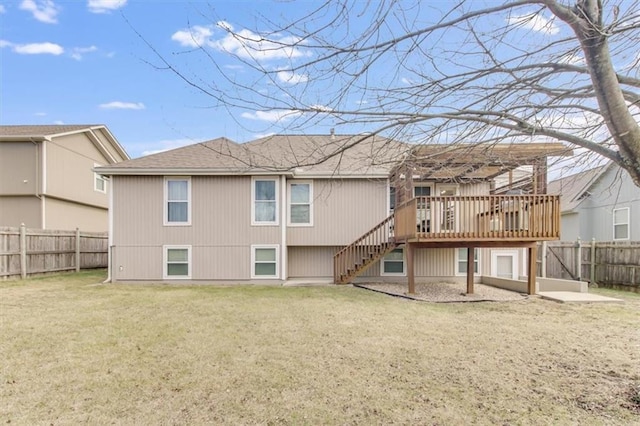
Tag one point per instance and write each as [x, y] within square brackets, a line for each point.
[326, 207]
[599, 203]
[47, 179]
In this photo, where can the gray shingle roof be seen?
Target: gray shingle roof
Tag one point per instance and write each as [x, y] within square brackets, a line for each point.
[571, 188]
[43, 130]
[303, 154]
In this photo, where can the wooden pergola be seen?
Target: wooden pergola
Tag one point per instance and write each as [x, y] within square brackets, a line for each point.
[499, 220]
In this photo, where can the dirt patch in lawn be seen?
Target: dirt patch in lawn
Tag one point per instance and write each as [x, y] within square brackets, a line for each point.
[446, 292]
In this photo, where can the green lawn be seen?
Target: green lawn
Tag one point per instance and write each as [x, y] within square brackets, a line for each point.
[77, 351]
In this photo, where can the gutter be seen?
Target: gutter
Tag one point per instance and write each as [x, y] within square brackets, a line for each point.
[230, 172]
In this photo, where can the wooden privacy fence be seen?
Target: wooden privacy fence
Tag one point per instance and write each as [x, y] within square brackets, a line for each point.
[608, 264]
[35, 251]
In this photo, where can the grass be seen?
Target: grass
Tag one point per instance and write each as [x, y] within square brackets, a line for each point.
[76, 351]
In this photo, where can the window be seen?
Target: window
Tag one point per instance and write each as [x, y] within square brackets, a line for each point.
[177, 262]
[392, 198]
[621, 224]
[99, 181]
[264, 261]
[393, 263]
[300, 207]
[264, 208]
[461, 254]
[422, 191]
[177, 196]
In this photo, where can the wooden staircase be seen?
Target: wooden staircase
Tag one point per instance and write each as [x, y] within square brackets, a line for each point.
[354, 259]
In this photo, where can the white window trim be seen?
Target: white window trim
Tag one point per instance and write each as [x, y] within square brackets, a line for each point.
[479, 251]
[514, 253]
[395, 274]
[96, 178]
[424, 185]
[253, 201]
[165, 213]
[300, 182]
[253, 261]
[445, 186]
[165, 272]
[621, 223]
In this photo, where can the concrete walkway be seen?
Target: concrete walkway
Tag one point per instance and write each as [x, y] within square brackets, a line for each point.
[575, 297]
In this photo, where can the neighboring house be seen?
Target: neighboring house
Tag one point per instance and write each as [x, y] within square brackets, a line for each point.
[599, 203]
[47, 179]
[281, 207]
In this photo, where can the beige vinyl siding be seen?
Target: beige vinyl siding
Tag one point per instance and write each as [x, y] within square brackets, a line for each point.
[316, 262]
[208, 263]
[136, 263]
[311, 262]
[19, 168]
[66, 215]
[220, 233]
[99, 133]
[343, 210]
[70, 160]
[480, 188]
[17, 210]
[428, 263]
[220, 215]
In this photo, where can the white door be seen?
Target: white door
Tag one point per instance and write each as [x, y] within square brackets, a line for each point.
[504, 264]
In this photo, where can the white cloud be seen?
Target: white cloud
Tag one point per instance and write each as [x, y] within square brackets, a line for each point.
[292, 78]
[407, 81]
[273, 116]
[164, 145]
[263, 135]
[195, 36]
[122, 105]
[78, 52]
[243, 43]
[536, 22]
[34, 48]
[105, 6]
[2, 9]
[43, 10]
[321, 108]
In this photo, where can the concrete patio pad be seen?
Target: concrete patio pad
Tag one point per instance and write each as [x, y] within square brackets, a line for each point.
[575, 297]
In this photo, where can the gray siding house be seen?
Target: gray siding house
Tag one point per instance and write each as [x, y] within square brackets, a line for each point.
[279, 208]
[47, 179]
[601, 203]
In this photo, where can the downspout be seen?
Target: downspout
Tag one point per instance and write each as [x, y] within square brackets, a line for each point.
[110, 232]
[43, 189]
[283, 233]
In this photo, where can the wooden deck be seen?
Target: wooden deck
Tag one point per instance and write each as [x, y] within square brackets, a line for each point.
[483, 219]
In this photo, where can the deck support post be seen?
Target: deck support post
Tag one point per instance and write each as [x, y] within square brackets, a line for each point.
[410, 271]
[470, 268]
[533, 263]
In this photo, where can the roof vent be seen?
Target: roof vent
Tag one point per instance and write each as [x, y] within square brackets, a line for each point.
[332, 132]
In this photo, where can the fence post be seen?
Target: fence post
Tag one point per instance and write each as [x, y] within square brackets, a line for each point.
[578, 260]
[23, 251]
[77, 249]
[592, 266]
[543, 260]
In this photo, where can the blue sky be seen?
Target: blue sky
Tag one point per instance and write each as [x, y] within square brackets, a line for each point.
[93, 62]
[81, 62]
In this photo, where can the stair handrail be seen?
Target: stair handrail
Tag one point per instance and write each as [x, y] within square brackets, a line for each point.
[377, 236]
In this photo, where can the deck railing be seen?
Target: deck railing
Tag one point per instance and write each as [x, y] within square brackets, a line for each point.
[357, 256]
[479, 218]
